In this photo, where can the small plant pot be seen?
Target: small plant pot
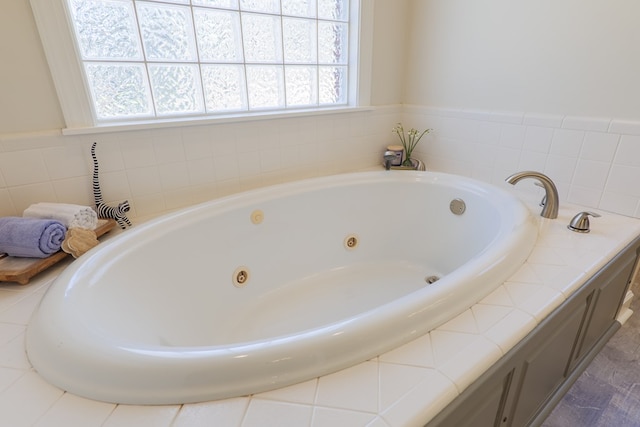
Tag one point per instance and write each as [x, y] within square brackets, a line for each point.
[416, 165]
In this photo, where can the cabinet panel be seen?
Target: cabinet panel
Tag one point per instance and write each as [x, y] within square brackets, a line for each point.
[612, 287]
[482, 408]
[544, 368]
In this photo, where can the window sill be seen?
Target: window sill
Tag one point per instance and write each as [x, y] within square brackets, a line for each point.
[200, 121]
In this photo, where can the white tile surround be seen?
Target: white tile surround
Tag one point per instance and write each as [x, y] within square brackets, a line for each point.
[404, 387]
[159, 170]
[595, 162]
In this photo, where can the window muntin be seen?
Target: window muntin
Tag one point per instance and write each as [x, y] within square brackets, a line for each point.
[146, 59]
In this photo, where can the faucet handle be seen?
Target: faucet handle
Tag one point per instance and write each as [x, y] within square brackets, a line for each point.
[580, 222]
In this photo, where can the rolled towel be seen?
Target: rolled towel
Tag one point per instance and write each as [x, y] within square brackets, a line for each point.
[30, 237]
[71, 216]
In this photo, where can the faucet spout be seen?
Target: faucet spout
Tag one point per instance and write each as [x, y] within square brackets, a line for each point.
[550, 208]
[389, 156]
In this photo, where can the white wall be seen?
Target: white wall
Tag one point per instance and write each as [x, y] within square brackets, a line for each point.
[506, 85]
[390, 41]
[163, 169]
[568, 57]
[28, 101]
[548, 85]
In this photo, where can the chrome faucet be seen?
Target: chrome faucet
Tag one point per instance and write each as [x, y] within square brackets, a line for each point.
[550, 208]
[389, 156]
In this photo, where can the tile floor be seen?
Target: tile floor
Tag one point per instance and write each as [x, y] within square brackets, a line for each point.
[608, 392]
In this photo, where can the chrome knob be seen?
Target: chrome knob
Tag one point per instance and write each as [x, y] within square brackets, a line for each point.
[580, 222]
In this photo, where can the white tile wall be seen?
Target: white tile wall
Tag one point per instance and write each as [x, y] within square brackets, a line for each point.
[594, 161]
[163, 169]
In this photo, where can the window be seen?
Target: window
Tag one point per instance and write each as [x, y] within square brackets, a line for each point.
[159, 60]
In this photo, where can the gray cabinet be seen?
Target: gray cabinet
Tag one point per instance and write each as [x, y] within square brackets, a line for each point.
[487, 409]
[607, 297]
[524, 386]
[544, 362]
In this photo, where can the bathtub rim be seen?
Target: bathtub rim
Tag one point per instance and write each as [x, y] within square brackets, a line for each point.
[194, 354]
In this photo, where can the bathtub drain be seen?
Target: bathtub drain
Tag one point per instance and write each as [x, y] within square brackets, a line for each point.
[457, 206]
[431, 279]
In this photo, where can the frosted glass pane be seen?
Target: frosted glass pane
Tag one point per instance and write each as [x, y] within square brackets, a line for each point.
[262, 38]
[167, 32]
[265, 86]
[332, 43]
[226, 4]
[269, 6]
[301, 85]
[176, 89]
[119, 90]
[218, 34]
[224, 87]
[299, 40]
[106, 30]
[174, 57]
[333, 9]
[306, 8]
[333, 85]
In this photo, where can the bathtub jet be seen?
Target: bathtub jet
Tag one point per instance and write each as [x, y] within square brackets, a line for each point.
[276, 286]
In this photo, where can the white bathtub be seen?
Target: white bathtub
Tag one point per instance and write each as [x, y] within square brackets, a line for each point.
[156, 315]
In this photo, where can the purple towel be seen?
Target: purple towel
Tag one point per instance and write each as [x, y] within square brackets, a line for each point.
[30, 237]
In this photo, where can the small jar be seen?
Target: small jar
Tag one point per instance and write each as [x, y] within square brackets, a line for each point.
[399, 150]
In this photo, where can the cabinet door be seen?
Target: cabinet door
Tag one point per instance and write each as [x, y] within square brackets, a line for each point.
[544, 366]
[483, 406]
[611, 287]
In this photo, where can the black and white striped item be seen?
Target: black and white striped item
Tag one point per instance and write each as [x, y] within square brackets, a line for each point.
[119, 213]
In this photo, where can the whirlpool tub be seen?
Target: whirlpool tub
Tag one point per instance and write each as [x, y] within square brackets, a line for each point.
[275, 286]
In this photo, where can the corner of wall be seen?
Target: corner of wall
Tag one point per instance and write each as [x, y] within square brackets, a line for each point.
[594, 161]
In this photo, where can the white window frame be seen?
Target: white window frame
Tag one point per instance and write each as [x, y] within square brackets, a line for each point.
[75, 101]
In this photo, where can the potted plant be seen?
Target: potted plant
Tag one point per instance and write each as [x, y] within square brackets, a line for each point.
[409, 141]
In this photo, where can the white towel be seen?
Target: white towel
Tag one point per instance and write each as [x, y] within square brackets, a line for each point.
[72, 216]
